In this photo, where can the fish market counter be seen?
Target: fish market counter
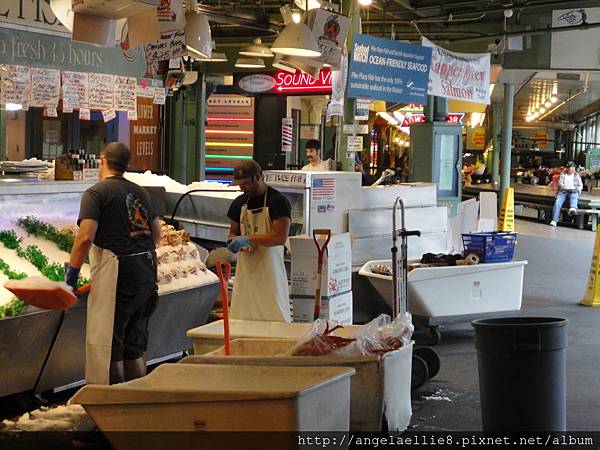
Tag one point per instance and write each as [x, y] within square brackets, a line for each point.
[27, 340]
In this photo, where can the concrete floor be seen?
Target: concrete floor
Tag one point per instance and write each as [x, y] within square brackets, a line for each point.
[555, 279]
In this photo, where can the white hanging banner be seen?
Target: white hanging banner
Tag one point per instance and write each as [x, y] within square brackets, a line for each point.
[462, 76]
[338, 88]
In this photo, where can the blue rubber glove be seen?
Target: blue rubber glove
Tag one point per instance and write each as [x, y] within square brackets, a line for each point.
[71, 277]
[238, 243]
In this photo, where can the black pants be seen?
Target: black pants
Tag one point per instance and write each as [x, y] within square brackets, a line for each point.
[137, 297]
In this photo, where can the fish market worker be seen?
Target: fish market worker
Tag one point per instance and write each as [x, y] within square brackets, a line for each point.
[119, 231]
[313, 154]
[259, 225]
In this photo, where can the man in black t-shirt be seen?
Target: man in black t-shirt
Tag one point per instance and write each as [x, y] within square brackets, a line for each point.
[119, 230]
[259, 225]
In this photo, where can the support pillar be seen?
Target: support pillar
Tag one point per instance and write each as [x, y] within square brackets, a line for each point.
[201, 115]
[507, 118]
[350, 8]
[496, 132]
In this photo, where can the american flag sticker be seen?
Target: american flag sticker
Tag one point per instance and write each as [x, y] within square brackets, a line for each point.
[323, 189]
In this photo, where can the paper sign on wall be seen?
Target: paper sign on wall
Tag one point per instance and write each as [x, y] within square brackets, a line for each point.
[160, 96]
[15, 85]
[463, 76]
[84, 114]
[171, 45]
[125, 93]
[102, 91]
[75, 90]
[109, 114]
[132, 115]
[45, 87]
[355, 143]
[50, 111]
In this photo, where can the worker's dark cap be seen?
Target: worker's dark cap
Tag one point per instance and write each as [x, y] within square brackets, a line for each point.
[245, 169]
[117, 154]
[570, 164]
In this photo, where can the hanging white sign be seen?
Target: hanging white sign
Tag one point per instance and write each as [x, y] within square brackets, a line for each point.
[330, 30]
[462, 76]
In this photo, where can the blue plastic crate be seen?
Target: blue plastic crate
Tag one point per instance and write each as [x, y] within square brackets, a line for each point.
[490, 247]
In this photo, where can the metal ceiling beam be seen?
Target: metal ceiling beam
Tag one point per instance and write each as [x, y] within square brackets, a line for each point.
[237, 18]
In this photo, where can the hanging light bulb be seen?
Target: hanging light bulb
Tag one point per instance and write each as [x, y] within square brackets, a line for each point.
[548, 104]
[542, 110]
[365, 2]
[296, 17]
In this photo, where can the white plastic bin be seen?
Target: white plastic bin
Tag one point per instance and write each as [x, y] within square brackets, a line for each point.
[381, 382]
[202, 397]
[456, 290]
[209, 337]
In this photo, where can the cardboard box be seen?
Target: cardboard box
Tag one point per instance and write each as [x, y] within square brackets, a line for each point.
[337, 266]
[336, 309]
[595, 191]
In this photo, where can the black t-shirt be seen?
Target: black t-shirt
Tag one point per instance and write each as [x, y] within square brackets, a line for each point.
[279, 206]
[124, 214]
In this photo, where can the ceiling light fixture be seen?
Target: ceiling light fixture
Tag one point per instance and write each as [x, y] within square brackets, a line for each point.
[197, 34]
[257, 49]
[311, 4]
[564, 102]
[365, 2]
[64, 13]
[296, 17]
[296, 39]
[282, 63]
[250, 63]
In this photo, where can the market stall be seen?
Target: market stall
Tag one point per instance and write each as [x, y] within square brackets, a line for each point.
[36, 232]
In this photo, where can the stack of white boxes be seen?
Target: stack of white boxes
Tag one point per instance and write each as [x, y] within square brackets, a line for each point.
[336, 288]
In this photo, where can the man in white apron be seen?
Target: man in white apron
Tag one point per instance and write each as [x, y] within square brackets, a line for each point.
[259, 225]
[118, 230]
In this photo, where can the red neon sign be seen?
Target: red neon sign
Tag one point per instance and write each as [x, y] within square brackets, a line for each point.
[303, 83]
[418, 118]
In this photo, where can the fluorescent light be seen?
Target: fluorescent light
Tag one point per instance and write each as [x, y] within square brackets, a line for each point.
[257, 49]
[250, 63]
[365, 2]
[388, 117]
[13, 107]
[296, 39]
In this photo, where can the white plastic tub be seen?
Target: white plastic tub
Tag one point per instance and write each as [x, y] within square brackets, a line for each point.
[209, 337]
[381, 382]
[200, 397]
[456, 290]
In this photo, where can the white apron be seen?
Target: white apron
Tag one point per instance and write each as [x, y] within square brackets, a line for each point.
[100, 315]
[260, 290]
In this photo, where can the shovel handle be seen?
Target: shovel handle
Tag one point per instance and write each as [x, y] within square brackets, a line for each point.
[84, 289]
[224, 276]
[321, 248]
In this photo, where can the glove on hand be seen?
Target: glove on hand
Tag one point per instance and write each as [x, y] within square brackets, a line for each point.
[71, 277]
[238, 243]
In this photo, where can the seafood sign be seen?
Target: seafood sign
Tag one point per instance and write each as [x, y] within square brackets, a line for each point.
[462, 76]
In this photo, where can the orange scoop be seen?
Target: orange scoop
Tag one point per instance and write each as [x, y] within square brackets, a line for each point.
[43, 293]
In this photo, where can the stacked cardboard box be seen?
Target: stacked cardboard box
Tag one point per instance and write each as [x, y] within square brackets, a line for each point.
[336, 287]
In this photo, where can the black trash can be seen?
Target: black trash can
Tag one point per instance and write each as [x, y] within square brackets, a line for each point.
[522, 373]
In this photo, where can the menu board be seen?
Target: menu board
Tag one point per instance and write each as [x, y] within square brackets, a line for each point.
[75, 90]
[125, 93]
[45, 87]
[15, 85]
[102, 91]
[144, 136]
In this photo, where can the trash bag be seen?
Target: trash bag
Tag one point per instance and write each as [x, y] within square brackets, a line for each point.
[381, 335]
[319, 340]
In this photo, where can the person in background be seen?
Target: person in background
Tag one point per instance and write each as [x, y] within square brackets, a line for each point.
[259, 226]
[569, 185]
[119, 230]
[313, 154]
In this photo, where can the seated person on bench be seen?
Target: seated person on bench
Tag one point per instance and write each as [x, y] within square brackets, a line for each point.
[569, 185]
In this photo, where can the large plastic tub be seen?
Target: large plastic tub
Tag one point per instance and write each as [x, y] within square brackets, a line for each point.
[381, 382]
[456, 290]
[195, 397]
[209, 337]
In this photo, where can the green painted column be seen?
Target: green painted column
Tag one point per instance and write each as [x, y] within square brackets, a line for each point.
[496, 130]
[507, 117]
[350, 8]
[2, 133]
[201, 111]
